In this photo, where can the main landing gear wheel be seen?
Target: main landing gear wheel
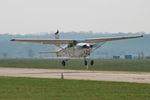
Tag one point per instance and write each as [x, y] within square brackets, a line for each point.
[85, 62]
[63, 63]
[92, 62]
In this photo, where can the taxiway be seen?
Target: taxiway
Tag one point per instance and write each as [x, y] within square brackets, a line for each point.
[138, 77]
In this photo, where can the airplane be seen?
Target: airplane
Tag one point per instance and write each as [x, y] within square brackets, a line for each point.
[76, 48]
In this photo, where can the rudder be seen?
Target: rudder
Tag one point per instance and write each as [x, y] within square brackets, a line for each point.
[58, 47]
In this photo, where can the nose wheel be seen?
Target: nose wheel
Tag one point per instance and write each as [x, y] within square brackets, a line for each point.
[86, 62]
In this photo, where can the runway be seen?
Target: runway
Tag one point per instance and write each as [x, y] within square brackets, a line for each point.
[138, 77]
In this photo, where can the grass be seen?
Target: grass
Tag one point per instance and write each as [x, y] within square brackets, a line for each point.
[57, 89]
[109, 65]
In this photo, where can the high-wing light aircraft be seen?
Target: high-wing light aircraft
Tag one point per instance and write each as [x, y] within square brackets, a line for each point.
[76, 48]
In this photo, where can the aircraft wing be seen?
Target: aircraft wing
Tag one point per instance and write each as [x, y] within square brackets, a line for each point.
[76, 41]
[46, 41]
[111, 39]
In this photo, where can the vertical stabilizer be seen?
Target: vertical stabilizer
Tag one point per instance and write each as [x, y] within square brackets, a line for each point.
[58, 48]
[57, 35]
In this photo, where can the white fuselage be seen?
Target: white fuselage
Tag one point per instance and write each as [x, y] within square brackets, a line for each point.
[78, 50]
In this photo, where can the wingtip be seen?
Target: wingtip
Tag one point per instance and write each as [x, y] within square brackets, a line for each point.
[12, 40]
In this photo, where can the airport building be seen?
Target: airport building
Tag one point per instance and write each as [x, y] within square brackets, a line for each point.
[128, 57]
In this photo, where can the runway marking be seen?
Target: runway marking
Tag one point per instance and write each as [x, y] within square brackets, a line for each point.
[138, 77]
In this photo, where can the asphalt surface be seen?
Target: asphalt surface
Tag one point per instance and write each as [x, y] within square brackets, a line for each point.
[138, 77]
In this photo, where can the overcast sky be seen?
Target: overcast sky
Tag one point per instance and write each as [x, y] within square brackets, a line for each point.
[27, 16]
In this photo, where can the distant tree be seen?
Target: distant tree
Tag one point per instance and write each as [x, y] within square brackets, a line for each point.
[141, 55]
[147, 57]
[4, 54]
[30, 53]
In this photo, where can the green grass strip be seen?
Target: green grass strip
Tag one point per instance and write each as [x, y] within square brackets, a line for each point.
[58, 89]
[109, 65]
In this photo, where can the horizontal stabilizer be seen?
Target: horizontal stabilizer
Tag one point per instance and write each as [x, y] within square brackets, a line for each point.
[49, 52]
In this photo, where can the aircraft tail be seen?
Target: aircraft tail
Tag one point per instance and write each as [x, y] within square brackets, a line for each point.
[58, 47]
[57, 35]
[51, 52]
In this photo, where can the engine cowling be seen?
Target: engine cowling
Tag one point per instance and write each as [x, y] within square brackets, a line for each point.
[84, 45]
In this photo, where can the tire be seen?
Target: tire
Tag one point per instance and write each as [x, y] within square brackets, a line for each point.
[85, 63]
[63, 63]
[92, 62]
